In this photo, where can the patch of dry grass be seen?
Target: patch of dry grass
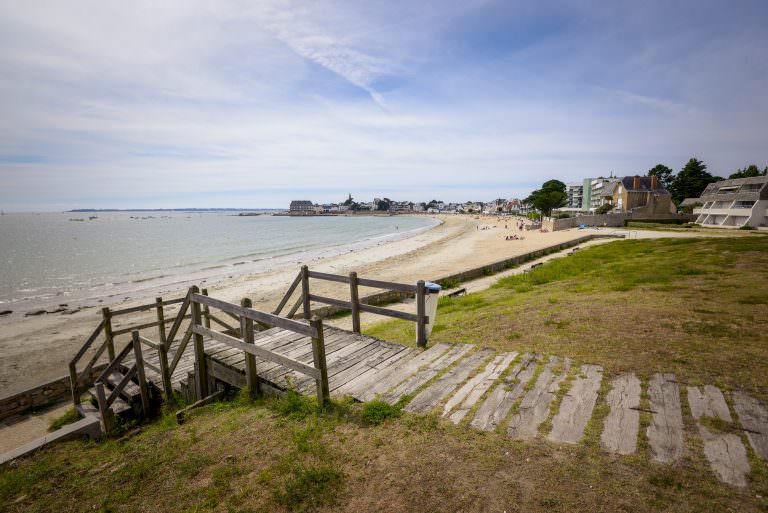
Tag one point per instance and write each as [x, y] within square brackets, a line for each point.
[334, 462]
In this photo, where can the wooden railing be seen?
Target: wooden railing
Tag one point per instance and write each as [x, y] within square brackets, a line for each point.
[117, 365]
[80, 379]
[354, 304]
[245, 342]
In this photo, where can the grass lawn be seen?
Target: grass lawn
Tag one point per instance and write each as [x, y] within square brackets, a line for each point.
[693, 307]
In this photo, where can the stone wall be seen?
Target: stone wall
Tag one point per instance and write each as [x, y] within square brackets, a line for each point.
[606, 220]
[40, 395]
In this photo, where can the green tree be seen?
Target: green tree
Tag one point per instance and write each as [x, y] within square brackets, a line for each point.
[664, 174]
[349, 201]
[384, 204]
[691, 181]
[551, 195]
[749, 171]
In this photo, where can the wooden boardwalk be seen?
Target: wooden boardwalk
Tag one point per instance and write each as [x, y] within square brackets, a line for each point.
[525, 396]
[351, 360]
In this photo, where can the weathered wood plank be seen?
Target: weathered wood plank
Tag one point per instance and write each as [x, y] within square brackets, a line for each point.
[256, 350]
[498, 404]
[724, 451]
[665, 434]
[351, 372]
[368, 378]
[576, 407]
[623, 421]
[415, 382]
[395, 375]
[753, 416]
[447, 383]
[466, 397]
[534, 407]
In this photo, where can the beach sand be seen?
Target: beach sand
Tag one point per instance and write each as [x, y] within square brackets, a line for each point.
[37, 349]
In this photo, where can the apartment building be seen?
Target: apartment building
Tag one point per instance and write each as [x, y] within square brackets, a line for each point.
[734, 203]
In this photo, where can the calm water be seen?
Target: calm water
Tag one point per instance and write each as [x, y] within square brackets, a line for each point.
[48, 258]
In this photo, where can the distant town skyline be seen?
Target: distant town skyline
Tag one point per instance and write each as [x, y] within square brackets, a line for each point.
[253, 104]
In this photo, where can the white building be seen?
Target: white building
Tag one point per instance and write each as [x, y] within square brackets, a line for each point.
[575, 193]
[734, 203]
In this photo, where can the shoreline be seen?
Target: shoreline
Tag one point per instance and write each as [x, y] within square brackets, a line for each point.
[171, 279]
[37, 349]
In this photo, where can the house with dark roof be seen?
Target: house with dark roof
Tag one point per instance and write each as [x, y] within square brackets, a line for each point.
[301, 208]
[640, 195]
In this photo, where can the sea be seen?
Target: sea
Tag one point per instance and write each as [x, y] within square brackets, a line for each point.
[50, 259]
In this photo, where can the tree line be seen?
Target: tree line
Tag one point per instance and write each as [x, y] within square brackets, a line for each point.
[690, 182]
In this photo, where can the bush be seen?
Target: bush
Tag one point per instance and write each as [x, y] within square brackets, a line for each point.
[563, 215]
[295, 405]
[377, 411]
[450, 283]
[746, 227]
[604, 209]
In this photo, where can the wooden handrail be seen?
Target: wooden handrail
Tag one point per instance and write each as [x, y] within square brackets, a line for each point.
[288, 294]
[114, 363]
[355, 305]
[89, 342]
[149, 306]
[389, 313]
[263, 317]
[120, 386]
[255, 350]
[179, 317]
[180, 350]
[146, 325]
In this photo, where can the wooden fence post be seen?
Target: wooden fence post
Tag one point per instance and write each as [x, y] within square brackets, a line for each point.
[160, 319]
[201, 373]
[73, 383]
[109, 338]
[355, 300]
[107, 415]
[421, 332]
[246, 329]
[305, 291]
[206, 311]
[318, 352]
[162, 353]
[143, 388]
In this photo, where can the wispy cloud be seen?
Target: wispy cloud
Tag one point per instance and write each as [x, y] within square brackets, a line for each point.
[243, 100]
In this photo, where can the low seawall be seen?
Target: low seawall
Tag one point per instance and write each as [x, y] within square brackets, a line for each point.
[554, 225]
[41, 395]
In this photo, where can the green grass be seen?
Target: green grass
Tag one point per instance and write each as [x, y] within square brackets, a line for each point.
[695, 307]
[69, 417]
[377, 411]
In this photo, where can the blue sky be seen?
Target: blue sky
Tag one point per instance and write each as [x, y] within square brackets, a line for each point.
[252, 104]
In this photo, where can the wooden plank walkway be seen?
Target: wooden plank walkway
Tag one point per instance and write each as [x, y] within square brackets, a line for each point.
[458, 379]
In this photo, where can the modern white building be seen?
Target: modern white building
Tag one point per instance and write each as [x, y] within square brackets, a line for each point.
[575, 193]
[734, 203]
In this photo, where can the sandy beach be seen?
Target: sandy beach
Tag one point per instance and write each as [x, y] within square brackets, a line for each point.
[36, 349]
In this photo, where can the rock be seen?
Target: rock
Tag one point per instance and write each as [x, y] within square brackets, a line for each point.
[35, 312]
[6, 312]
